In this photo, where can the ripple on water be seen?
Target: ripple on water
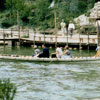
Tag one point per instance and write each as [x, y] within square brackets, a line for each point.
[53, 81]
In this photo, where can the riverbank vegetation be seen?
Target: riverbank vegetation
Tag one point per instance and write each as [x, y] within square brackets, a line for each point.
[7, 90]
[40, 13]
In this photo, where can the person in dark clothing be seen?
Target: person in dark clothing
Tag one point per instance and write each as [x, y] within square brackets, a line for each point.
[45, 53]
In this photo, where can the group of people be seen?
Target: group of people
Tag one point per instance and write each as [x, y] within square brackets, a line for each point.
[43, 54]
[71, 28]
[62, 54]
[58, 54]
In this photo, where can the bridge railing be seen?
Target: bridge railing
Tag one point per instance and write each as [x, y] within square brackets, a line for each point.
[14, 32]
[41, 36]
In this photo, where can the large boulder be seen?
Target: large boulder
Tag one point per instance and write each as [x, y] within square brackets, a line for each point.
[94, 13]
[82, 20]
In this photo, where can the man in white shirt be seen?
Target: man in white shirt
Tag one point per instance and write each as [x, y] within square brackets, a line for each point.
[63, 27]
[59, 52]
[71, 28]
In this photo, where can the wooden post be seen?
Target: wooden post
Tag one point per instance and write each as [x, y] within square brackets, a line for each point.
[18, 18]
[67, 38]
[19, 34]
[56, 39]
[80, 42]
[88, 40]
[55, 28]
[98, 38]
[4, 37]
[55, 19]
[13, 43]
[34, 37]
[11, 32]
[18, 25]
[98, 34]
[44, 37]
[28, 33]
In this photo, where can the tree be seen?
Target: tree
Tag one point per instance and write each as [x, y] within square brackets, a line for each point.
[2, 5]
[16, 7]
[90, 3]
[41, 10]
[73, 7]
[37, 13]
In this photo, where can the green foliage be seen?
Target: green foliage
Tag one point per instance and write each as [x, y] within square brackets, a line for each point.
[4, 20]
[2, 5]
[6, 23]
[7, 90]
[90, 3]
[41, 11]
[15, 4]
[88, 28]
[25, 36]
[87, 13]
[37, 14]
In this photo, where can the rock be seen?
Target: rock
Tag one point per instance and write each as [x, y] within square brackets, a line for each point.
[94, 13]
[82, 20]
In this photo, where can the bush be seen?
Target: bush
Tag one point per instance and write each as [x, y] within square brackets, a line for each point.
[88, 28]
[7, 90]
[87, 13]
[6, 23]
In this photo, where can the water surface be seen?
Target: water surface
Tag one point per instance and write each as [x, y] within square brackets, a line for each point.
[52, 81]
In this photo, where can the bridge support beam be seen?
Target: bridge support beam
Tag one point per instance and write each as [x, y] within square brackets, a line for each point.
[14, 43]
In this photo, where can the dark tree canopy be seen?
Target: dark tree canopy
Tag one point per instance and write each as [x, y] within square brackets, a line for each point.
[37, 13]
[2, 4]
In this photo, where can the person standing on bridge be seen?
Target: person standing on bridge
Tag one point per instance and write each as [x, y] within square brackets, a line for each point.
[63, 27]
[71, 28]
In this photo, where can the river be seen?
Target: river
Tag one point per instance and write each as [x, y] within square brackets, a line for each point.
[52, 81]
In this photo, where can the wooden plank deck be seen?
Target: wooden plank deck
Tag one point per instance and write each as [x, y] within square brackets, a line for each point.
[63, 39]
[9, 35]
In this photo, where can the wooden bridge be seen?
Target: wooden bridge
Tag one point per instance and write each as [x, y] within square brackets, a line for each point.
[28, 36]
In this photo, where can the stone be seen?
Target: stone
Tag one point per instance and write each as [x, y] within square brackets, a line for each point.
[94, 13]
[82, 20]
